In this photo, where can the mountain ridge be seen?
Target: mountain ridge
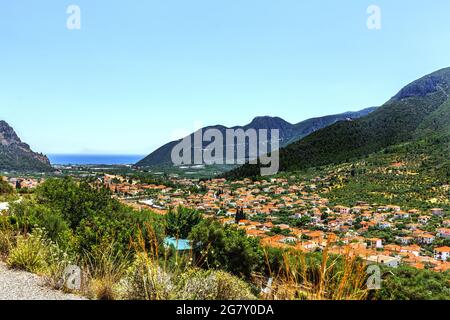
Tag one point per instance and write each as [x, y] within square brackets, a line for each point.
[407, 116]
[288, 132]
[16, 155]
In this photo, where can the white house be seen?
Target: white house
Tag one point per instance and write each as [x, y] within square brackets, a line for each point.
[442, 253]
[444, 233]
[413, 249]
[389, 261]
[425, 238]
[437, 211]
[342, 209]
[401, 215]
[375, 243]
[384, 225]
[405, 240]
[424, 219]
[288, 240]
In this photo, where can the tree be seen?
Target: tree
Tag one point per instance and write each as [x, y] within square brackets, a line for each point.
[240, 215]
[90, 214]
[180, 222]
[226, 248]
[407, 283]
[303, 221]
[75, 201]
[30, 214]
[5, 188]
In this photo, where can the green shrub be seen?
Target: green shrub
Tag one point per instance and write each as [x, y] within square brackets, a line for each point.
[146, 280]
[30, 214]
[198, 284]
[36, 253]
[181, 221]
[7, 236]
[75, 201]
[5, 188]
[227, 248]
[407, 283]
[105, 267]
[30, 254]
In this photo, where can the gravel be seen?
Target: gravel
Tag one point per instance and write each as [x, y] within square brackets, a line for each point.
[20, 285]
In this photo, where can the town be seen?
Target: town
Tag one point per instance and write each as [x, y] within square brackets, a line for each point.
[290, 213]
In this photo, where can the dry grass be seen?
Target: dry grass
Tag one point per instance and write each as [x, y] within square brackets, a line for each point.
[331, 278]
[149, 277]
[7, 238]
[155, 275]
[104, 268]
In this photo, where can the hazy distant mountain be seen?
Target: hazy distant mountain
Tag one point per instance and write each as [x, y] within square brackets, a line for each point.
[289, 133]
[16, 155]
[418, 112]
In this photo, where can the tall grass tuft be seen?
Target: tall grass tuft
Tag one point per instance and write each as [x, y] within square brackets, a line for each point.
[36, 253]
[148, 278]
[104, 267]
[306, 277]
[30, 254]
[7, 237]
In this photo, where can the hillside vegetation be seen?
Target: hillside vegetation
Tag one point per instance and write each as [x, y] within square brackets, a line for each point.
[288, 133]
[418, 112]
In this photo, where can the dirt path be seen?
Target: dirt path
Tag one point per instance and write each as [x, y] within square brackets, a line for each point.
[20, 285]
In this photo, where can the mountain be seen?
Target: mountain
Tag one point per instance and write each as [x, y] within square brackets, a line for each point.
[417, 111]
[16, 155]
[309, 126]
[289, 133]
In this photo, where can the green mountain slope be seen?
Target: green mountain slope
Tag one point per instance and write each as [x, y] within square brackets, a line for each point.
[438, 122]
[417, 110]
[289, 133]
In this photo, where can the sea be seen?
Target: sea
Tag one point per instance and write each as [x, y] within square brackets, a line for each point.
[86, 159]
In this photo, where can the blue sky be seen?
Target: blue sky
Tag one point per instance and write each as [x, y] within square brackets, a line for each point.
[139, 72]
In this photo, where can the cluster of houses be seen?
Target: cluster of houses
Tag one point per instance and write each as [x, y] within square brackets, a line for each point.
[17, 183]
[418, 240]
[22, 183]
[286, 214]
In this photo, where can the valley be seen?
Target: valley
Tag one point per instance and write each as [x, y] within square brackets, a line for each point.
[372, 189]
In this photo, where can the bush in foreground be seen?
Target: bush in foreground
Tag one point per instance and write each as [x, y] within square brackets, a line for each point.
[146, 280]
[198, 284]
[36, 253]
